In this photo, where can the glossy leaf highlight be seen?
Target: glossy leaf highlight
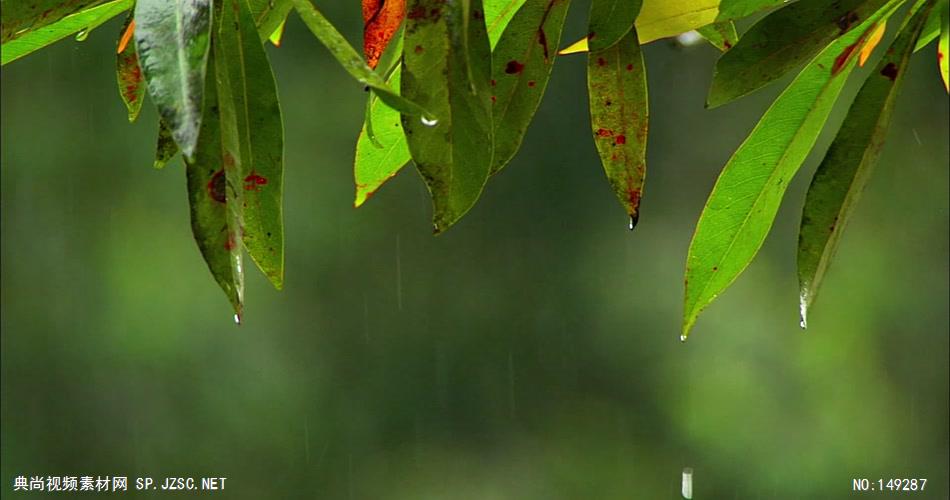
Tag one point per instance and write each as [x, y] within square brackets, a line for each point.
[173, 39]
[21, 17]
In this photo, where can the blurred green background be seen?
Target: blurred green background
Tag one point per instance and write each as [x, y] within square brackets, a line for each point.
[530, 352]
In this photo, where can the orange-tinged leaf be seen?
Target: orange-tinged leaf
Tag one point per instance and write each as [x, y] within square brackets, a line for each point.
[126, 36]
[278, 34]
[381, 19]
[872, 42]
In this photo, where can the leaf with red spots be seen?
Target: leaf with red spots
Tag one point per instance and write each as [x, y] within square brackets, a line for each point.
[381, 19]
[740, 210]
[839, 180]
[521, 66]
[782, 42]
[610, 21]
[128, 73]
[173, 40]
[454, 154]
[351, 61]
[165, 147]
[617, 89]
[214, 192]
[721, 35]
[38, 36]
[252, 87]
[375, 164]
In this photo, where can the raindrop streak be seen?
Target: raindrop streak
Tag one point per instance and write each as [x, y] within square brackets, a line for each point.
[916, 137]
[398, 276]
[687, 483]
[429, 122]
[82, 35]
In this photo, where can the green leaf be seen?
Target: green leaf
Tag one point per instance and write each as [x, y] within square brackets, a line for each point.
[617, 88]
[269, 15]
[38, 37]
[943, 47]
[498, 13]
[721, 35]
[214, 193]
[20, 17]
[129, 75]
[351, 60]
[521, 66]
[743, 203]
[783, 41]
[737, 9]
[172, 40]
[240, 54]
[453, 155]
[376, 164]
[165, 147]
[610, 20]
[931, 29]
[841, 177]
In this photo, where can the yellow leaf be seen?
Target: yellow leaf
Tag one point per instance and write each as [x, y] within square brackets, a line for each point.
[574, 48]
[872, 42]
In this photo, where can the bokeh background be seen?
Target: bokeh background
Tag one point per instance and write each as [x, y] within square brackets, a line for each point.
[530, 352]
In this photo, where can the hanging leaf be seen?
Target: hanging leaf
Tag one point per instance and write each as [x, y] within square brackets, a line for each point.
[21, 17]
[38, 37]
[269, 15]
[351, 61]
[743, 203]
[841, 177]
[782, 42]
[610, 20]
[454, 154]
[617, 88]
[931, 29]
[214, 193]
[721, 35]
[172, 40]
[278, 34]
[381, 20]
[521, 66]
[128, 74]
[165, 147]
[375, 164]
[252, 87]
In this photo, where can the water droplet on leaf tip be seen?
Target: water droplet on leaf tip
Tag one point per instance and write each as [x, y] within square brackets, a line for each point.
[683, 338]
[429, 122]
[237, 319]
[633, 221]
[82, 35]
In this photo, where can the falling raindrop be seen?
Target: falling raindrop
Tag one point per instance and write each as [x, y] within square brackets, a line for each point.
[429, 122]
[687, 483]
[237, 319]
[82, 35]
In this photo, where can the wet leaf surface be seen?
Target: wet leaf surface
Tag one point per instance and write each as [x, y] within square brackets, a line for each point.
[610, 20]
[21, 17]
[38, 37]
[454, 154]
[252, 87]
[172, 39]
[842, 174]
[721, 35]
[617, 88]
[746, 197]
